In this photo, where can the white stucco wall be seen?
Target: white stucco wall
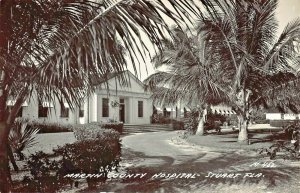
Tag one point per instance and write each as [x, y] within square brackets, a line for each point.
[131, 95]
[93, 105]
[278, 116]
[54, 114]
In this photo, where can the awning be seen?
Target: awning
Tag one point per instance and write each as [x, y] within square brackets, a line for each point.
[187, 109]
[47, 105]
[158, 109]
[12, 103]
[170, 109]
[66, 105]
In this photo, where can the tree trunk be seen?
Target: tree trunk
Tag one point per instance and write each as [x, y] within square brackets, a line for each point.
[5, 178]
[243, 130]
[7, 120]
[200, 128]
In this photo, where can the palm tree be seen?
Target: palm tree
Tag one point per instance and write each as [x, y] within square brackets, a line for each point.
[191, 76]
[241, 47]
[58, 48]
[257, 63]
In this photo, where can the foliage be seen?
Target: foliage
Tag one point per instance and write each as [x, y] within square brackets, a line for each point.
[258, 116]
[155, 118]
[46, 127]
[177, 124]
[117, 126]
[22, 136]
[91, 156]
[250, 65]
[42, 170]
[288, 145]
[281, 123]
[191, 122]
[93, 131]
[97, 152]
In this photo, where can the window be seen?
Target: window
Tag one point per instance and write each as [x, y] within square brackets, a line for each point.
[140, 109]
[81, 111]
[105, 107]
[64, 110]
[43, 110]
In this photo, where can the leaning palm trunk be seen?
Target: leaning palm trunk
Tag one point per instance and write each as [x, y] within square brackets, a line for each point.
[5, 125]
[202, 119]
[200, 128]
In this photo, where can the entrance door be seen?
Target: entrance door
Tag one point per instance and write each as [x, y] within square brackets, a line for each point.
[122, 112]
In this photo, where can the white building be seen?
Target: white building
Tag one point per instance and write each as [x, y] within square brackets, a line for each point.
[135, 105]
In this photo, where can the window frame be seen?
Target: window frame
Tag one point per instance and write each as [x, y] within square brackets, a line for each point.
[140, 109]
[105, 107]
[42, 111]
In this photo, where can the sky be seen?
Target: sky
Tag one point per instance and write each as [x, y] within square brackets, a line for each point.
[286, 11]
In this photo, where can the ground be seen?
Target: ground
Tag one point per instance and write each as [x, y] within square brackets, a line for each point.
[212, 163]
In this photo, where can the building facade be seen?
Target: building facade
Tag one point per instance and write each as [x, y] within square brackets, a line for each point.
[129, 104]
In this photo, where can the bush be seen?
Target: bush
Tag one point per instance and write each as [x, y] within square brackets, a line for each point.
[177, 125]
[155, 118]
[93, 131]
[288, 144]
[97, 151]
[191, 121]
[21, 136]
[42, 178]
[113, 125]
[46, 127]
[281, 123]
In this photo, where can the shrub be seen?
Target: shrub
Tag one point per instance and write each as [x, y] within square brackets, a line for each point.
[98, 156]
[191, 122]
[281, 123]
[22, 136]
[41, 168]
[46, 127]
[93, 131]
[97, 152]
[177, 125]
[155, 118]
[117, 126]
[288, 144]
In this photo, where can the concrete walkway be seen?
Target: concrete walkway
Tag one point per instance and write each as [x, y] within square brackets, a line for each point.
[158, 144]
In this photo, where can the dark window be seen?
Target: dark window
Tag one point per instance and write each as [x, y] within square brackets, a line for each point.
[105, 107]
[81, 111]
[64, 111]
[140, 109]
[43, 111]
[121, 100]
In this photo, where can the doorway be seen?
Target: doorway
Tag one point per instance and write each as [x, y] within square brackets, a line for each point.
[122, 111]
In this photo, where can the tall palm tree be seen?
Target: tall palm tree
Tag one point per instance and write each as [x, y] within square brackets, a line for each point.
[245, 53]
[257, 62]
[58, 48]
[191, 75]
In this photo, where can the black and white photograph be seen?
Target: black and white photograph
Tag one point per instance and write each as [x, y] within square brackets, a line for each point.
[150, 96]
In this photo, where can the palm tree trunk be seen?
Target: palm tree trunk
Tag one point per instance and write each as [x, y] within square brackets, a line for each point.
[243, 130]
[5, 178]
[200, 128]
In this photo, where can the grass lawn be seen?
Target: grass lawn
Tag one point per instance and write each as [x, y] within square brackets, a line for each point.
[47, 141]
